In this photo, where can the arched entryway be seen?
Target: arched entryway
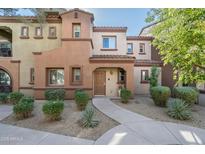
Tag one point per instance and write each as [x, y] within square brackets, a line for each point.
[107, 81]
[5, 81]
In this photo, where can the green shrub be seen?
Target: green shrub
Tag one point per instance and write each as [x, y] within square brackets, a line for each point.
[23, 109]
[125, 95]
[3, 97]
[160, 95]
[27, 99]
[53, 109]
[81, 99]
[15, 97]
[178, 109]
[87, 120]
[188, 94]
[54, 94]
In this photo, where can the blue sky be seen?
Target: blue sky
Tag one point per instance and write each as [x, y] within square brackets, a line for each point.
[134, 19]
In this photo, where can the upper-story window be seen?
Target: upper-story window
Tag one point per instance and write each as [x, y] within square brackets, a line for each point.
[52, 32]
[142, 48]
[24, 31]
[38, 32]
[109, 42]
[76, 30]
[130, 48]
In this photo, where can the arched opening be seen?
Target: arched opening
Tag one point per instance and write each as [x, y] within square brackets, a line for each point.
[5, 41]
[107, 81]
[5, 82]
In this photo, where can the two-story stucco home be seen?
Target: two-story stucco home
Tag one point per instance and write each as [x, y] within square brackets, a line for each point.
[69, 52]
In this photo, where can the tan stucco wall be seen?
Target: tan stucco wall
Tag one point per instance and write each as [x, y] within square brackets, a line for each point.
[22, 48]
[98, 43]
[136, 48]
[143, 88]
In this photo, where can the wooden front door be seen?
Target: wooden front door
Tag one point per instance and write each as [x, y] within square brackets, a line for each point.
[99, 82]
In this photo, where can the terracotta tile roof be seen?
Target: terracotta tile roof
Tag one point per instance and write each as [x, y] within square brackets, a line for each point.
[148, 63]
[109, 29]
[146, 38]
[112, 57]
[77, 9]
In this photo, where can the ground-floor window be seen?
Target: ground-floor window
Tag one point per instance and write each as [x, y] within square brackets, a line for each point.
[121, 76]
[76, 75]
[144, 76]
[55, 76]
[5, 81]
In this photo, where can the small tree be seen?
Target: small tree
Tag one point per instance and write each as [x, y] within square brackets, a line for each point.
[153, 80]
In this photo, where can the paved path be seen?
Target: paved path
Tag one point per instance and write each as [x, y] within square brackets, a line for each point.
[5, 111]
[137, 129]
[17, 135]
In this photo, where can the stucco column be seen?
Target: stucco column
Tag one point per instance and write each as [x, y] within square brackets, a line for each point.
[130, 78]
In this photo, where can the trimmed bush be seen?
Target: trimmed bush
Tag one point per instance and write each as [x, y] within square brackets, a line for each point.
[87, 120]
[125, 95]
[15, 97]
[3, 97]
[188, 94]
[53, 109]
[54, 94]
[81, 99]
[160, 95]
[178, 109]
[27, 99]
[23, 109]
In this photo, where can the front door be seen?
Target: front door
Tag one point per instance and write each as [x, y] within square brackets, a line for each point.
[99, 82]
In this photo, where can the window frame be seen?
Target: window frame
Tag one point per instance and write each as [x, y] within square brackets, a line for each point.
[73, 30]
[109, 49]
[146, 74]
[41, 32]
[22, 32]
[128, 48]
[72, 82]
[143, 44]
[48, 77]
[32, 75]
[120, 81]
[49, 33]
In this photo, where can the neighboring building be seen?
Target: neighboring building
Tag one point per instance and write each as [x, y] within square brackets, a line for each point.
[69, 52]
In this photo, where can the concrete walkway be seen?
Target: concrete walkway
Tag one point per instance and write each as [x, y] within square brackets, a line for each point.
[17, 135]
[137, 129]
[5, 111]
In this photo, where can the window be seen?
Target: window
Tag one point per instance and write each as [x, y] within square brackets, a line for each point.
[142, 48]
[129, 48]
[32, 75]
[121, 77]
[5, 49]
[52, 32]
[24, 31]
[144, 76]
[38, 31]
[76, 75]
[109, 42]
[76, 30]
[56, 77]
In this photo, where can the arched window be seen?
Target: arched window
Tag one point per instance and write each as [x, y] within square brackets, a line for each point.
[5, 82]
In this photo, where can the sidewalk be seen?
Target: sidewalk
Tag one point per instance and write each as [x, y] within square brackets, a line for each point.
[137, 129]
